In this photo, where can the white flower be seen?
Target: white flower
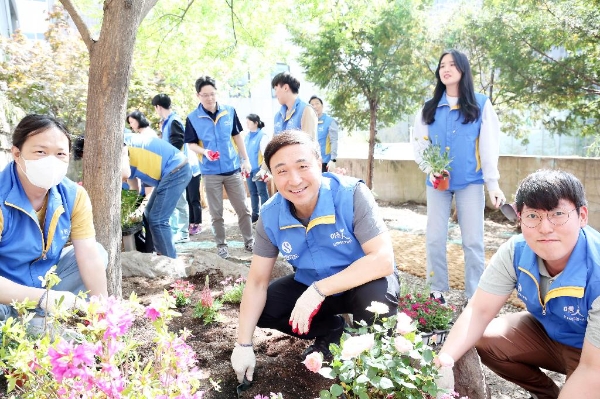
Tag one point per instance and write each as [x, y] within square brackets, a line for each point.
[354, 346]
[378, 307]
[402, 344]
[404, 324]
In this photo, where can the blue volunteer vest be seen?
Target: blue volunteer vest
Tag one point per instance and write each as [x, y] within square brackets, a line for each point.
[448, 130]
[327, 245]
[216, 135]
[564, 310]
[252, 142]
[27, 252]
[151, 158]
[295, 119]
[323, 134]
[166, 126]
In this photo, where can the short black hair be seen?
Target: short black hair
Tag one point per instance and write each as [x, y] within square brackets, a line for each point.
[315, 98]
[204, 81]
[33, 124]
[138, 116]
[543, 189]
[285, 78]
[163, 100]
[291, 137]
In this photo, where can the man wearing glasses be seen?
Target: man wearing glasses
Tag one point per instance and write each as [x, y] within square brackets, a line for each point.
[555, 267]
[210, 130]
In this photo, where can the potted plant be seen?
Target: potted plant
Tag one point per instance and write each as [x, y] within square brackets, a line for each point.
[131, 221]
[438, 162]
[433, 317]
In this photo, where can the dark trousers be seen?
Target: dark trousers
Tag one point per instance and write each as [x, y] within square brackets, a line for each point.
[283, 293]
[192, 195]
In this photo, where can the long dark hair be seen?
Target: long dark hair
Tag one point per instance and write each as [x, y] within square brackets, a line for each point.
[466, 100]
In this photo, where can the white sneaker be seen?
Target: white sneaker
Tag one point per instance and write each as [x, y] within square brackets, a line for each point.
[223, 251]
[182, 240]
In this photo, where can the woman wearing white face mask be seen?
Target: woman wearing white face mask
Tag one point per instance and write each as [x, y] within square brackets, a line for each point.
[40, 211]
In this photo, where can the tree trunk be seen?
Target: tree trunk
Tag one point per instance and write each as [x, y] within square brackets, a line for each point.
[110, 70]
[372, 134]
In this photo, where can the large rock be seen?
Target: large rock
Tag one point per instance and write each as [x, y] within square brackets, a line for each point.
[140, 264]
[135, 263]
[469, 379]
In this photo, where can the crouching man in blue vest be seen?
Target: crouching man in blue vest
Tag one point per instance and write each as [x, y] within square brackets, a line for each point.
[329, 229]
[555, 267]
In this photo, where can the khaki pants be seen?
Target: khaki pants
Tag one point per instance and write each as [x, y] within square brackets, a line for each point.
[236, 192]
[516, 346]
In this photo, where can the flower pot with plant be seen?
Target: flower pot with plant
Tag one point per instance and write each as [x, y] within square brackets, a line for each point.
[131, 218]
[433, 317]
[438, 163]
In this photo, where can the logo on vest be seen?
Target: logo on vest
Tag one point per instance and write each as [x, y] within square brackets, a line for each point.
[520, 293]
[287, 248]
[573, 314]
[65, 233]
[341, 238]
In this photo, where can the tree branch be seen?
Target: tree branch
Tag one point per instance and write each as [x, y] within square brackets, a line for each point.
[83, 29]
[146, 7]
[179, 17]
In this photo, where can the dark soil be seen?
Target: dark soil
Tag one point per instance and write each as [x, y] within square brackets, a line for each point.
[278, 365]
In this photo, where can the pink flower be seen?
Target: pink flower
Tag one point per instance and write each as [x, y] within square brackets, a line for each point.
[402, 344]
[206, 297]
[404, 324]
[314, 361]
[152, 313]
[354, 346]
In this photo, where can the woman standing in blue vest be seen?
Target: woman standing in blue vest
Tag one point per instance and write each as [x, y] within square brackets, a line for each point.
[40, 212]
[464, 123]
[329, 229]
[256, 141]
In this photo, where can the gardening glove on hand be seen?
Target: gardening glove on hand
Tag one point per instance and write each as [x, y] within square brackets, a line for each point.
[434, 178]
[497, 197]
[331, 166]
[49, 301]
[246, 168]
[306, 308]
[445, 378]
[243, 362]
[262, 175]
[211, 155]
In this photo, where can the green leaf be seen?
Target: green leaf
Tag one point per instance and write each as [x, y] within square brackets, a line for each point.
[336, 390]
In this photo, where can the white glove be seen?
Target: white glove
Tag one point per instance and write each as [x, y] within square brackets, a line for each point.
[262, 175]
[243, 362]
[246, 168]
[50, 300]
[497, 197]
[306, 308]
[445, 378]
[331, 166]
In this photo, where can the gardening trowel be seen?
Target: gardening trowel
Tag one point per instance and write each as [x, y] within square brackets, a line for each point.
[509, 211]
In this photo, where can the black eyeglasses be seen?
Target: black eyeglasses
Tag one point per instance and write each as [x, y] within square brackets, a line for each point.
[557, 217]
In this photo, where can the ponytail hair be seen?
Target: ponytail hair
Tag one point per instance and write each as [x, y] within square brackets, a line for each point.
[256, 119]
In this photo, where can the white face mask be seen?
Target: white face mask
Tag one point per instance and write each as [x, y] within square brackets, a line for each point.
[45, 172]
